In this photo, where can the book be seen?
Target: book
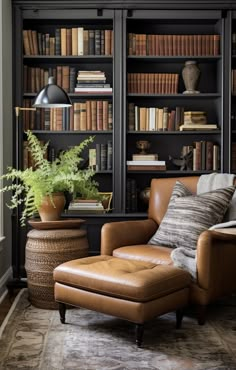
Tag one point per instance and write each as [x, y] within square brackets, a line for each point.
[149, 163]
[93, 89]
[195, 117]
[145, 157]
[196, 126]
[146, 168]
[85, 205]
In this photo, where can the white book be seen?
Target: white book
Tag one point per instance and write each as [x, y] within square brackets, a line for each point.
[93, 89]
[152, 120]
[85, 207]
[87, 204]
[80, 41]
[146, 163]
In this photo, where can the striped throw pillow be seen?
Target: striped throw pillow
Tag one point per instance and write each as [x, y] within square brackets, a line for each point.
[189, 215]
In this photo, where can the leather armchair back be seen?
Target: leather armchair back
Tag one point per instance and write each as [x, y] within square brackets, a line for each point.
[160, 194]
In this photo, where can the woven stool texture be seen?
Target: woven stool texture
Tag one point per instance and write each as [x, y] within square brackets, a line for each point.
[46, 249]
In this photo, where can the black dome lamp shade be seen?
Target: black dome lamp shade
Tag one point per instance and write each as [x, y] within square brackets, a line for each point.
[52, 96]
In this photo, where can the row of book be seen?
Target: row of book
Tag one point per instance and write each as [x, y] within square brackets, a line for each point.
[91, 115]
[153, 83]
[95, 115]
[166, 119]
[173, 45]
[100, 158]
[153, 118]
[206, 156]
[35, 78]
[69, 41]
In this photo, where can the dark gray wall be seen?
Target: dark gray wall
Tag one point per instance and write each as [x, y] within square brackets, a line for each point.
[6, 127]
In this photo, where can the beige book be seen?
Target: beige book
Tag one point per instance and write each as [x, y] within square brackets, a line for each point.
[142, 115]
[74, 41]
[160, 120]
[196, 126]
[63, 41]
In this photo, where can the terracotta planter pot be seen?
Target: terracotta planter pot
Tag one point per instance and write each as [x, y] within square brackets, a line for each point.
[52, 211]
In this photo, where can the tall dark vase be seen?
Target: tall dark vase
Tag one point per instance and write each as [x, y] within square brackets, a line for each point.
[191, 74]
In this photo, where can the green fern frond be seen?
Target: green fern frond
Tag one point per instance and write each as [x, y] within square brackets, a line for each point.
[30, 185]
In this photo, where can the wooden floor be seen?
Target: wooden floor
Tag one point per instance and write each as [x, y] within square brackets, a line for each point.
[6, 304]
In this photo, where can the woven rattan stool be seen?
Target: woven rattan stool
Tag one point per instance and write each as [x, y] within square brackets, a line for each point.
[46, 249]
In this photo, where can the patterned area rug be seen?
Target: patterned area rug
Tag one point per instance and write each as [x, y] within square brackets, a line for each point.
[35, 339]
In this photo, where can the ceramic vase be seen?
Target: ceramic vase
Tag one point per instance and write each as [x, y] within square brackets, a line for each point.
[51, 210]
[145, 195]
[191, 74]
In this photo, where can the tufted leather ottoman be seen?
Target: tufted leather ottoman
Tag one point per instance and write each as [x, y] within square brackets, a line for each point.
[133, 290]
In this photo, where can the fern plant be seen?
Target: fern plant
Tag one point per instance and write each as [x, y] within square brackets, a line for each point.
[31, 185]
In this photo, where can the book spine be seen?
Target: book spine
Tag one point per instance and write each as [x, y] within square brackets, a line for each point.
[98, 157]
[91, 43]
[97, 40]
[58, 41]
[26, 43]
[110, 116]
[105, 115]
[68, 41]
[103, 157]
[99, 115]
[83, 117]
[109, 155]
[89, 115]
[63, 41]
[74, 36]
[80, 41]
[93, 115]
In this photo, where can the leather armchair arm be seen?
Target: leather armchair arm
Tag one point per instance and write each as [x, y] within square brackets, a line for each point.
[123, 233]
[216, 261]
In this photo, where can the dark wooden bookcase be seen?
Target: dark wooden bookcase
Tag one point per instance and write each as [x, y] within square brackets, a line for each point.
[152, 17]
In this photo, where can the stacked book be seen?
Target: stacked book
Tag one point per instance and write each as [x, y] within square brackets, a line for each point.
[196, 120]
[86, 206]
[145, 162]
[92, 82]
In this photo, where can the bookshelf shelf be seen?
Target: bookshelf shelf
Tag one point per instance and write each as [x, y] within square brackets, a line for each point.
[194, 132]
[75, 95]
[68, 58]
[170, 172]
[177, 96]
[69, 132]
[173, 59]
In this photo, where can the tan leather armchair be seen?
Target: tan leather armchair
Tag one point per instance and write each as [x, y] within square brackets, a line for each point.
[216, 250]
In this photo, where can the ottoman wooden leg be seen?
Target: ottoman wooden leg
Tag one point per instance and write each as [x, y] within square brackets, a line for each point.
[179, 317]
[139, 334]
[201, 314]
[62, 312]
